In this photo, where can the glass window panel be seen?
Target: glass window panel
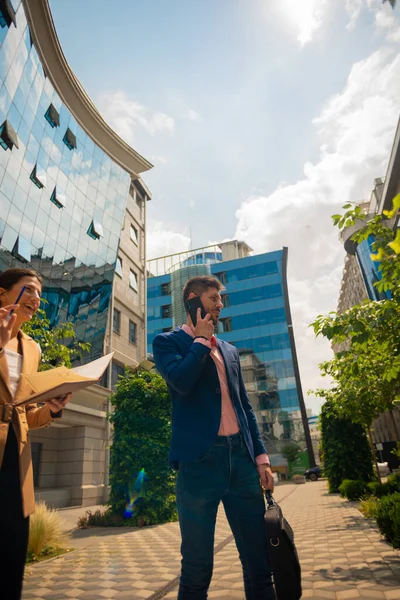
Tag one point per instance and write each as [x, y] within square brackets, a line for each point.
[9, 238]
[134, 234]
[133, 281]
[116, 321]
[118, 266]
[132, 332]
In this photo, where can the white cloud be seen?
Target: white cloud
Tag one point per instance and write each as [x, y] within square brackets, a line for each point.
[125, 115]
[356, 129]
[192, 115]
[353, 8]
[386, 20]
[157, 160]
[161, 241]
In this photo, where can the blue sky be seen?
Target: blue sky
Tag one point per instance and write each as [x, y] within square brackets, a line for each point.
[262, 117]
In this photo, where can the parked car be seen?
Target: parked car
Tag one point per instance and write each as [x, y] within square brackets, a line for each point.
[313, 474]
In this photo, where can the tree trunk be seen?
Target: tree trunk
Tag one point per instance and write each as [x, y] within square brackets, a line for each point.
[394, 425]
[371, 442]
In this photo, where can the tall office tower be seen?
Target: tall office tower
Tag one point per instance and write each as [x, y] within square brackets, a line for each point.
[71, 202]
[256, 319]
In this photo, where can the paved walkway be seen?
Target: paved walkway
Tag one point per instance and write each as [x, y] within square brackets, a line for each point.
[342, 557]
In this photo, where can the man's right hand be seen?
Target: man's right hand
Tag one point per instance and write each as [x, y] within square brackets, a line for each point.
[204, 327]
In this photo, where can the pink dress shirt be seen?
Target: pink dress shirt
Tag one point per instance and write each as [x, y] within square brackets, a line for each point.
[229, 423]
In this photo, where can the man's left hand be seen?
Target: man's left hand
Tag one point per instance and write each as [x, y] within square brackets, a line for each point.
[59, 403]
[266, 477]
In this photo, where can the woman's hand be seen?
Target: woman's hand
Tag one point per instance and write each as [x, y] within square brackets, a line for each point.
[7, 324]
[59, 403]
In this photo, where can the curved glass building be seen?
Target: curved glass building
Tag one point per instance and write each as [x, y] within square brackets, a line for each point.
[65, 175]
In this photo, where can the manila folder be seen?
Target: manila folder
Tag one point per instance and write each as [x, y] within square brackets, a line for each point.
[47, 385]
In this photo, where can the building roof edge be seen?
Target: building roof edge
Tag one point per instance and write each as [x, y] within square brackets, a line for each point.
[72, 93]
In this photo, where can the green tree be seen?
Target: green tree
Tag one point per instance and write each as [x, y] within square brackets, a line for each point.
[291, 452]
[141, 479]
[345, 449]
[366, 372]
[55, 353]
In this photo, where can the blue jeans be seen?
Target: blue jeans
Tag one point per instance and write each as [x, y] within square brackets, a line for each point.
[225, 473]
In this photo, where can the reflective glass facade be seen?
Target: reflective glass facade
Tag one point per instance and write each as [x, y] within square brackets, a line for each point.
[255, 319]
[62, 198]
[370, 269]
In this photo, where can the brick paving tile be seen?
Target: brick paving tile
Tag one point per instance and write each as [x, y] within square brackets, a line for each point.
[342, 554]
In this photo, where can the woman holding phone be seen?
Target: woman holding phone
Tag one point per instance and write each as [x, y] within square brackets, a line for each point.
[18, 354]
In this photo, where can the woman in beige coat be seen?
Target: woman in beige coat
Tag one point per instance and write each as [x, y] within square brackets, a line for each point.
[18, 354]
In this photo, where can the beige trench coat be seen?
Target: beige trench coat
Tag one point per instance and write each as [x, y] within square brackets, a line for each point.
[23, 417]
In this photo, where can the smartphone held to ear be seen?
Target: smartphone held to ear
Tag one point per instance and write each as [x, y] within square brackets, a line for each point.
[193, 305]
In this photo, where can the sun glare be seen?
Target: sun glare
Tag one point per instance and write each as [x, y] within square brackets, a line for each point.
[305, 16]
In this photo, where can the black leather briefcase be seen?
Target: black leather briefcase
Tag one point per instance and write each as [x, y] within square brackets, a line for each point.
[285, 563]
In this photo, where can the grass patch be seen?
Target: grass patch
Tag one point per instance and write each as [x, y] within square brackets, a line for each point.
[369, 507]
[45, 554]
[46, 534]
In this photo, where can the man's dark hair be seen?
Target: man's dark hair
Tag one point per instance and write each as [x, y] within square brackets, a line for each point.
[200, 284]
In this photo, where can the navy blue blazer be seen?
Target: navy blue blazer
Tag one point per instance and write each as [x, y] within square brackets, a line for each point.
[193, 383]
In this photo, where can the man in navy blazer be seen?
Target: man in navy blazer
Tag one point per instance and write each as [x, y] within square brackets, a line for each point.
[217, 447]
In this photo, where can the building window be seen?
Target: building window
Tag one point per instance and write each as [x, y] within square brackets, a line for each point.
[22, 249]
[8, 136]
[118, 266]
[166, 311]
[134, 235]
[38, 176]
[132, 332]
[95, 230]
[58, 198]
[166, 289]
[133, 283]
[52, 116]
[221, 277]
[116, 321]
[69, 139]
[225, 300]
[226, 324]
[116, 372]
[7, 14]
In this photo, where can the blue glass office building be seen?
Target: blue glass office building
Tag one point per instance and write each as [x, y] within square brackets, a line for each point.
[64, 174]
[256, 319]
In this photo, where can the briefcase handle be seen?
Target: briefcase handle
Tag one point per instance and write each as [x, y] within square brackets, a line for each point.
[269, 498]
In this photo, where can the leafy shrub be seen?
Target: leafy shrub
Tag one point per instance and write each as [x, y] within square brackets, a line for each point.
[378, 489]
[99, 518]
[141, 479]
[345, 448]
[388, 518]
[45, 531]
[369, 508]
[353, 489]
[393, 482]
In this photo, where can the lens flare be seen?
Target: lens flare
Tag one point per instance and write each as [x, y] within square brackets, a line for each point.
[135, 493]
